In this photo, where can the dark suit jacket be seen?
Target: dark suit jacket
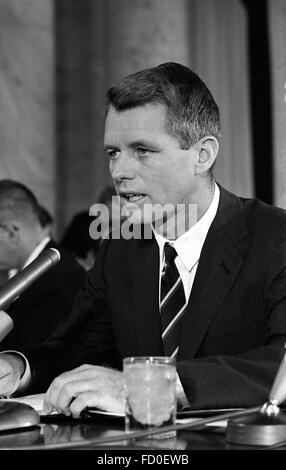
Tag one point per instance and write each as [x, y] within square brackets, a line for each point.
[235, 326]
[50, 298]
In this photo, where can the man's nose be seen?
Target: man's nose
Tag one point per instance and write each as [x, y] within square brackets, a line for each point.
[122, 168]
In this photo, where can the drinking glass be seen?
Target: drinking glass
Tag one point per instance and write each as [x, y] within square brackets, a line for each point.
[150, 390]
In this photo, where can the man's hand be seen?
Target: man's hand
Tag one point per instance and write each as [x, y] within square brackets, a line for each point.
[11, 369]
[85, 386]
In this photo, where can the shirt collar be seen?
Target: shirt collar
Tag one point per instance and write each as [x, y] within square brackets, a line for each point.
[194, 237]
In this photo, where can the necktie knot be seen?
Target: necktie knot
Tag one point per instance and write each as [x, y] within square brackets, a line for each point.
[170, 254]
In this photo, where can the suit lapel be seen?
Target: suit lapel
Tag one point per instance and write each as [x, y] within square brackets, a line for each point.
[219, 264]
[146, 299]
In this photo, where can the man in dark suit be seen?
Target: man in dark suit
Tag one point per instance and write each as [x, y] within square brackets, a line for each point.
[162, 139]
[39, 308]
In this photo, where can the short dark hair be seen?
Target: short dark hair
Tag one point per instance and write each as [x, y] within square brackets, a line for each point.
[192, 112]
[18, 200]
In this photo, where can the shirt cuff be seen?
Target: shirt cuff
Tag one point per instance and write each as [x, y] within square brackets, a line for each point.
[26, 377]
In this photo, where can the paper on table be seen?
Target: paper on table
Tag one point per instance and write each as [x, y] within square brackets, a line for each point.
[36, 401]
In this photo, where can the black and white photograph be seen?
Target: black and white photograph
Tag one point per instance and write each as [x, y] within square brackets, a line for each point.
[143, 229]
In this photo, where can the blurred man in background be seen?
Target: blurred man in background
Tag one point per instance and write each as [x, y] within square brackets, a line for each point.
[23, 236]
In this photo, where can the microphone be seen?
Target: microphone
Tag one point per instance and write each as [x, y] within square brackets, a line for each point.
[11, 290]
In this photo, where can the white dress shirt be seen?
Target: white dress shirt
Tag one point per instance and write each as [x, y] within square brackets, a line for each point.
[189, 246]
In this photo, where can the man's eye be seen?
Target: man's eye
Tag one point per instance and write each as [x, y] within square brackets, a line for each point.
[112, 153]
[142, 151]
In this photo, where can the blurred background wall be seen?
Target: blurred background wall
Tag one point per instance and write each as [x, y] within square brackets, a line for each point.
[57, 57]
[27, 98]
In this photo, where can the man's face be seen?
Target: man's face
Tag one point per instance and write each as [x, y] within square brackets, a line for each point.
[8, 248]
[146, 163]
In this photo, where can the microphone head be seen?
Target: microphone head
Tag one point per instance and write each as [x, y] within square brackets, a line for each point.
[53, 254]
[24, 278]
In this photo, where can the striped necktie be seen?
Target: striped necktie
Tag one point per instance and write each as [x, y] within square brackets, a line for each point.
[172, 304]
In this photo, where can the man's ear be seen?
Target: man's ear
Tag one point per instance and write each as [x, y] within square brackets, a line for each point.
[207, 152]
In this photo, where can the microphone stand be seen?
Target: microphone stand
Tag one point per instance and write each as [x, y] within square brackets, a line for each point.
[267, 426]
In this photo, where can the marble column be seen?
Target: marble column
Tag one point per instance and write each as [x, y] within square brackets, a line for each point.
[80, 85]
[27, 95]
[144, 33]
[277, 33]
[219, 54]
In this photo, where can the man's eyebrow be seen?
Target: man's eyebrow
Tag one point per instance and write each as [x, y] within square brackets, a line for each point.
[142, 143]
[109, 147]
[133, 145]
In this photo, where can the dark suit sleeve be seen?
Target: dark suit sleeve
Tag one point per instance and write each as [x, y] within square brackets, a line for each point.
[244, 379]
[38, 318]
[85, 336]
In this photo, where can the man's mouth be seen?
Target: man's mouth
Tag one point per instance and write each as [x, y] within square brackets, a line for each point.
[132, 197]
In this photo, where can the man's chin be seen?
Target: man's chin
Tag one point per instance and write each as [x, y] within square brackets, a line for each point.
[138, 219]
[136, 215]
[147, 214]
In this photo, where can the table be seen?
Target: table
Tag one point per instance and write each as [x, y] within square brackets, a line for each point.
[59, 432]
